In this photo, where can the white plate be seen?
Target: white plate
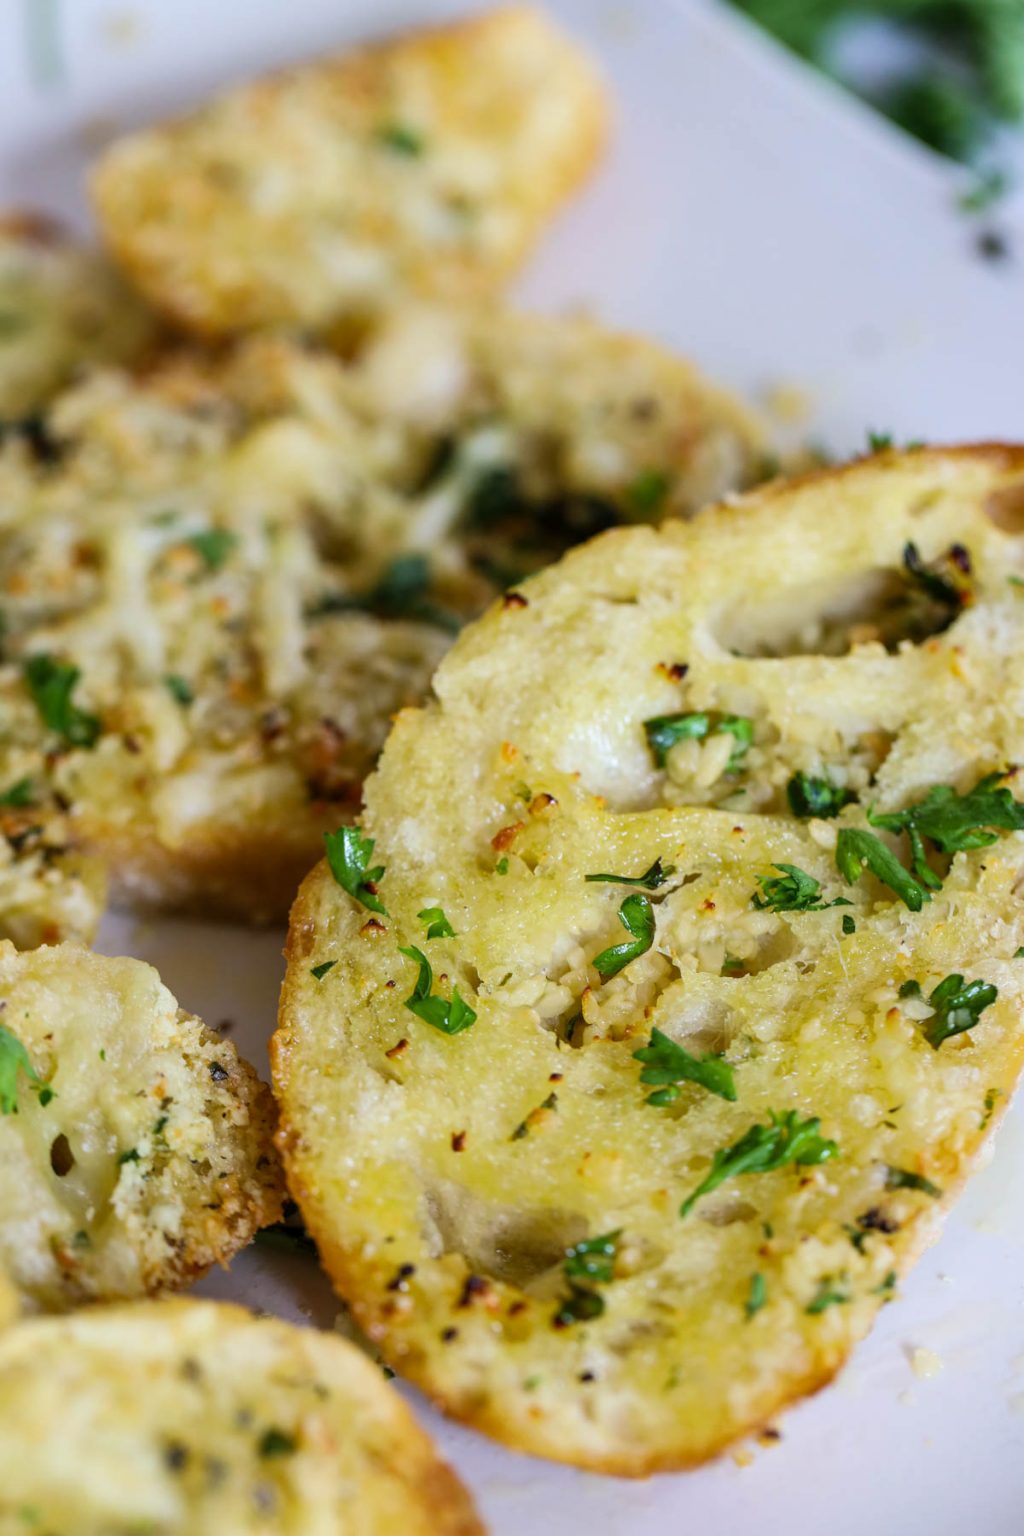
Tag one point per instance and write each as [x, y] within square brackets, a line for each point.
[782, 235]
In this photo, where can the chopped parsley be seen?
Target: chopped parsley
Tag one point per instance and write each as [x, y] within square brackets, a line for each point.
[849, 926]
[178, 688]
[14, 1059]
[402, 139]
[793, 890]
[902, 1178]
[954, 822]
[958, 1008]
[587, 1264]
[51, 684]
[785, 1139]
[536, 1117]
[501, 868]
[349, 853]
[757, 1295]
[646, 495]
[809, 796]
[637, 917]
[879, 442]
[650, 880]
[401, 592]
[275, 1442]
[833, 1291]
[20, 793]
[450, 1017]
[320, 971]
[991, 1095]
[438, 926]
[857, 851]
[213, 546]
[668, 1064]
[666, 731]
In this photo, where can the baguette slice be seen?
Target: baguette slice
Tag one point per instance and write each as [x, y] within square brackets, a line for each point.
[251, 563]
[427, 164]
[627, 1263]
[188, 1418]
[62, 308]
[135, 1145]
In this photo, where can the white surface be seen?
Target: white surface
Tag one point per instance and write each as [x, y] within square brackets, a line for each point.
[758, 220]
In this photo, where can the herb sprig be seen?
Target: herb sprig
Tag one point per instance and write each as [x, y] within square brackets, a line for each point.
[637, 917]
[792, 890]
[452, 1016]
[785, 1139]
[348, 854]
[664, 732]
[667, 1064]
[51, 684]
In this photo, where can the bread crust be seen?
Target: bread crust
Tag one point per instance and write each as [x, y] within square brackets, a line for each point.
[788, 607]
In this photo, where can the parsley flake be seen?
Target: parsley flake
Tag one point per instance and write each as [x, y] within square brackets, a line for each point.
[650, 880]
[438, 926]
[349, 853]
[213, 546]
[646, 495]
[785, 1139]
[792, 890]
[903, 1178]
[857, 851]
[833, 1291]
[402, 139]
[275, 1442]
[587, 1263]
[51, 684]
[669, 1064]
[821, 798]
[320, 971]
[178, 689]
[664, 732]
[954, 822]
[958, 1008]
[757, 1295]
[451, 1018]
[637, 917]
[20, 793]
[14, 1059]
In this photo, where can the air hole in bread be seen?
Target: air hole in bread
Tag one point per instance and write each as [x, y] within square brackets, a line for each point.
[500, 1242]
[1005, 507]
[884, 607]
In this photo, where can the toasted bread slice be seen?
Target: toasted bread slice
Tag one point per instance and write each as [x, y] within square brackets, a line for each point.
[635, 820]
[62, 308]
[135, 1145]
[423, 165]
[188, 1418]
[253, 563]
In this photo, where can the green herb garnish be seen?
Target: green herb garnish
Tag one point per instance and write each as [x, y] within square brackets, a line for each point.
[650, 880]
[524, 1127]
[958, 1008]
[849, 926]
[438, 926]
[954, 822]
[213, 546]
[648, 491]
[450, 1017]
[833, 1291]
[816, 797]
[757, 1295]
[793, 890]
[51, 684]
[178, 688]
[637, 917]
[902, 1178]
[275, 1442]
[402, 139]
[668, 1064]
[666, 731]
[857, 851]
[785, 1139]
[20, 793]
[14, 1059]
[349, 854]
[318, 972]
[587, 1263]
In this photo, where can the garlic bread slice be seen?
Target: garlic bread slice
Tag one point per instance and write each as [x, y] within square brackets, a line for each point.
[426, 164]
[62, 308]
[135, 1145]
[229, 574]
[189, 1418]
[632, 1047]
